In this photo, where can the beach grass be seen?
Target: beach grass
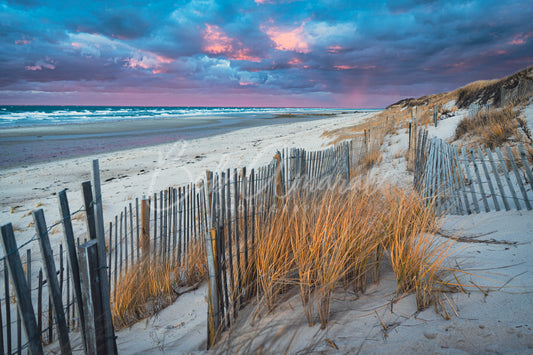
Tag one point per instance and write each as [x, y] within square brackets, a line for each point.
[491, 128]
[322, 240]
[151, 285]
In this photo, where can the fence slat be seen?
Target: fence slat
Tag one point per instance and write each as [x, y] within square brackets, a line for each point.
[478, 176]
[68, 234]
[22, 291]
[87, 195]
[2, 350]
[460, 177]
[100, 236]
[527, 168]
[8, 302]
[95, 333]
[518, 178]
[498, 180]
[138, 232]
[489, 180]
[51, 278]
[40, 305]
[125, 240]
[469, 176]
[154, 238]
[224, 239]
[508, 179]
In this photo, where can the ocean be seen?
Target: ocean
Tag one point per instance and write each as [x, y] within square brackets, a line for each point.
[31, 134]
[27, 116]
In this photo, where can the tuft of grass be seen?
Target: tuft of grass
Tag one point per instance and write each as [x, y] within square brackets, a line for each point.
[491, 128]
[416, 253]
[149, 286]
[322, 240]
[142, 291]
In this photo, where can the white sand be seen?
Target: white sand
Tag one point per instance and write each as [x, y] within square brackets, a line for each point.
[500, 321]
[147, 170]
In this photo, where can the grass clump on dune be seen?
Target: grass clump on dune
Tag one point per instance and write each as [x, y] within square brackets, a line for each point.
[322, 240]
[149, 286]
[492, 128]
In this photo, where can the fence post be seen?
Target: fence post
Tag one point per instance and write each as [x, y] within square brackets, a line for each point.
[87, 195]
[91, 299]
[51, 278]
[527, 168]
[213, 309]
[100, 236]
[22, 291]
[347, 160]
[64, 212]
[279, 187]
[145, 231]
[518, 178]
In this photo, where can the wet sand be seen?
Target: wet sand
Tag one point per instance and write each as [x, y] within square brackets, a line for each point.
[27, 145]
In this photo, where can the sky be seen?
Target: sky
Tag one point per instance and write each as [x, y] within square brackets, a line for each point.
[350, 54]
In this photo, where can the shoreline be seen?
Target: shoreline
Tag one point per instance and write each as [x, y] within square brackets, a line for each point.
[130, 173]
[25, 146]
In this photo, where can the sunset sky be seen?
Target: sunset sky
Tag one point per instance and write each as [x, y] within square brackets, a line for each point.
[363, 54]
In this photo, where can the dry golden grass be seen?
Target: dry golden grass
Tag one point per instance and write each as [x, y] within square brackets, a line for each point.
[491, 128]
[142, 291]
[401, 112]
[148, 287]
[325, 239]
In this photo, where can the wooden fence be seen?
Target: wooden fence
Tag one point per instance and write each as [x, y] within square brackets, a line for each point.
[469, 181]
[76, 284]
[225, 208]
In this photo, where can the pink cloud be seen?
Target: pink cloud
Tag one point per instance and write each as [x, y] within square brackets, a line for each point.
[520, 38]
[292, 40]
[244, 54]
[334, 49]
[76, 45]
[22, 42]
[217, 42]
[163, 59]
[348, 67]
[345, 67]
[149, 60]
[136, 63]
[295, 62]
[492, 53]
[40, 65]
[247, 83]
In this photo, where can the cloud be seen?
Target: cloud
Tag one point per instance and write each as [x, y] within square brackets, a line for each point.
[217, 42]
[520, 38]
[288, 40]
[331, 51]
[40, 65]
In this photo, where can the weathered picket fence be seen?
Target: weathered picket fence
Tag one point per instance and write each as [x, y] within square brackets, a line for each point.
[85, 306]
[166, 225]
[471, 180]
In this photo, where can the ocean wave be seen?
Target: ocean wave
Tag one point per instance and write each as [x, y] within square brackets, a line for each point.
[20, 116]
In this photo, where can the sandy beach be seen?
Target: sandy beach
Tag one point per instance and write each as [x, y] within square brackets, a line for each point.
[360, 323]
[127, 174]
[23, 145]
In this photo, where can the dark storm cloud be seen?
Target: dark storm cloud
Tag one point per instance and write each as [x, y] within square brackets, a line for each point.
[326, 50]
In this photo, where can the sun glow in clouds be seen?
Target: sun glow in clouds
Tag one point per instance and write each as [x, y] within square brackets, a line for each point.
[292, 40]
[217, 42]
[521, 38]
